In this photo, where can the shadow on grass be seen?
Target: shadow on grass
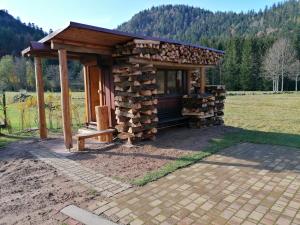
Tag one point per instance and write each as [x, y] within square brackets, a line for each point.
[5, 139]
[228, 140]
[261, 137]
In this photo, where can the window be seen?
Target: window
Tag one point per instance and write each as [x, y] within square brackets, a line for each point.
[171, 82]
[160, 81]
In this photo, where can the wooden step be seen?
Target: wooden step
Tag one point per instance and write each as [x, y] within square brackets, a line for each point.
[86, 133]
[91, 134]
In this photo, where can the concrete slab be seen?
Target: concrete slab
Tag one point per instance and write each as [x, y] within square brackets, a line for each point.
[84, 216]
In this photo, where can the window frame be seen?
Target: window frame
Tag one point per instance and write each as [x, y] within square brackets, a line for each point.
[180, 90]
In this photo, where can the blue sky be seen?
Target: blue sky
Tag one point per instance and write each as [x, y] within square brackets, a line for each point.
[109, 14]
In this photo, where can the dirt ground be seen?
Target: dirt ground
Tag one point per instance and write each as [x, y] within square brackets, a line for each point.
[127, 163]
[30, 190]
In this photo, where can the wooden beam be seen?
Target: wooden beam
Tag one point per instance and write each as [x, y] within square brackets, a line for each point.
[169, 65]
[89, 61]
[140, 41]
[86, 94]
[81, 48]
[202, 80]
[40, 97]
[65, 98]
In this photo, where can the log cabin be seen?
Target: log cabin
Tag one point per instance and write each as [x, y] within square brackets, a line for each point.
[133, 84]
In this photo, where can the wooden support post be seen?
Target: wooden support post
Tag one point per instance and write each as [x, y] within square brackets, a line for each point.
[202, 80]
[86, 94]
[65, 98]
[103, 122]
[40, 97]
[101, 88]
[189, 81]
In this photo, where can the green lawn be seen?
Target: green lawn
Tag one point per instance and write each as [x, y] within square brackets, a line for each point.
[252, 111]
[271, 113]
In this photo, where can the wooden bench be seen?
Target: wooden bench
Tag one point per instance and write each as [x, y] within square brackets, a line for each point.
[81, 137]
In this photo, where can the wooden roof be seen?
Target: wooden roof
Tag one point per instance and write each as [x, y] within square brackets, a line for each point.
[80, 38]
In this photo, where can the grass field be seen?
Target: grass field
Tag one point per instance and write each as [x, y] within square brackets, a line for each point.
[271, 113]
[256, 111]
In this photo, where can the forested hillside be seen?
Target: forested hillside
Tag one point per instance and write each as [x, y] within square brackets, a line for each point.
[15, 35]
[191, 24]
[246, 37]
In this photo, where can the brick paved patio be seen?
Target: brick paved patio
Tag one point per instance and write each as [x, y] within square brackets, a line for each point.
[106, 186]
[244, 184]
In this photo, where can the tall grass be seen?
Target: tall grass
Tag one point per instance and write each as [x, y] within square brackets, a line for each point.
[23, 115]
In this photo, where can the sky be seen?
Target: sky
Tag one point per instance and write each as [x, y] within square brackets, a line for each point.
[56, 14]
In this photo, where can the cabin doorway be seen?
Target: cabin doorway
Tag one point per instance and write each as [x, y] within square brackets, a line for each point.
[94, 95]
[172, 85]
[100, 92]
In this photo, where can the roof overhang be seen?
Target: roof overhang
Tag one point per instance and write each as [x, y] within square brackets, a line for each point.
[80, 39]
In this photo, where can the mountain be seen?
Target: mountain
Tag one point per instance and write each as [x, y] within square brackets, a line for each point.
[15, 35]
[192, 24]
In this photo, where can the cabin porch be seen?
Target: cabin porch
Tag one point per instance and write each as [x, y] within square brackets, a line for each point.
[131, 84]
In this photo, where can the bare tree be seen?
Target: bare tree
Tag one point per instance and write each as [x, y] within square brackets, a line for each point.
[278, 61]
[271, 68]
[295, 73]
[52, 75]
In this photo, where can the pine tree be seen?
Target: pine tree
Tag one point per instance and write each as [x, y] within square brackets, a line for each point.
[230, 67]
[297, 42]
[246, 67]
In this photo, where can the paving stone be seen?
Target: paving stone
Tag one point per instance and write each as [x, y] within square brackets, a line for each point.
[79, 173]
[123, 212]
[102, 209]
[186, 221]
[242, 214]
[137, 222]
[191, 206]
[256, 216]
[112, 211]
[154, 212]
[244, 184]
[207, 206]
[155, 203]
[160, 218]
[283, 221]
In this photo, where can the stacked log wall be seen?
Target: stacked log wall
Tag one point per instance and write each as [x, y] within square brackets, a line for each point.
[219, 92]
[135, 84]
[168, 52]
[205, 110]
[135, 97]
